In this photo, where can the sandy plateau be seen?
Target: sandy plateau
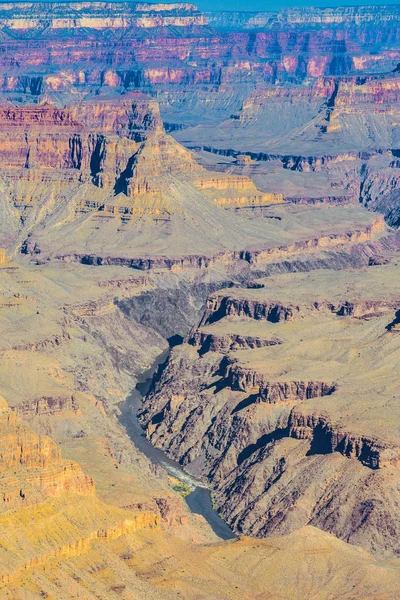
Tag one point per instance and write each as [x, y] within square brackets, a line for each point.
[209, 200]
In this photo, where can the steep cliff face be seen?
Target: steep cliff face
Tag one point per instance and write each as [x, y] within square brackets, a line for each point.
[32, 468]
[111, 160]
[277, 86]
[98, 16]
[37, 484]
[90, 141]
[200, 50]
[379, 190]
[335, 17]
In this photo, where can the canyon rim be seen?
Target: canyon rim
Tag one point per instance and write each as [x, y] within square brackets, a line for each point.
[199, 302]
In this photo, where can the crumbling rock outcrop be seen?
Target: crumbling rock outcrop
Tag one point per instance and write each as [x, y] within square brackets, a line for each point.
[207, 342]
[48, 406]
[325, 440]
[247, 380]
[219, 307]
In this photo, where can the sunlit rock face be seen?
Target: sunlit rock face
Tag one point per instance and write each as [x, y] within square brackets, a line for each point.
[32, 467]
[56, 47]
[109, 159]
[99, 15]
[75, 138]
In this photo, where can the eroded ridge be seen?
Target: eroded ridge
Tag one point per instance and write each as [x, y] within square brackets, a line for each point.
[101, 182]
[292, 396]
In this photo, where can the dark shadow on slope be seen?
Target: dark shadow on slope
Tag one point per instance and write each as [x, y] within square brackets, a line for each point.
[321, 442]
[264, 440]
[252, 399]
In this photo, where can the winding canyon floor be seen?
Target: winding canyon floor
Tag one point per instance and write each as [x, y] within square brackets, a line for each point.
[271, 382]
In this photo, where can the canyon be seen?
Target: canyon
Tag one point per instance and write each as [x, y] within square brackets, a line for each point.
[279, 387]
[202, 209]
